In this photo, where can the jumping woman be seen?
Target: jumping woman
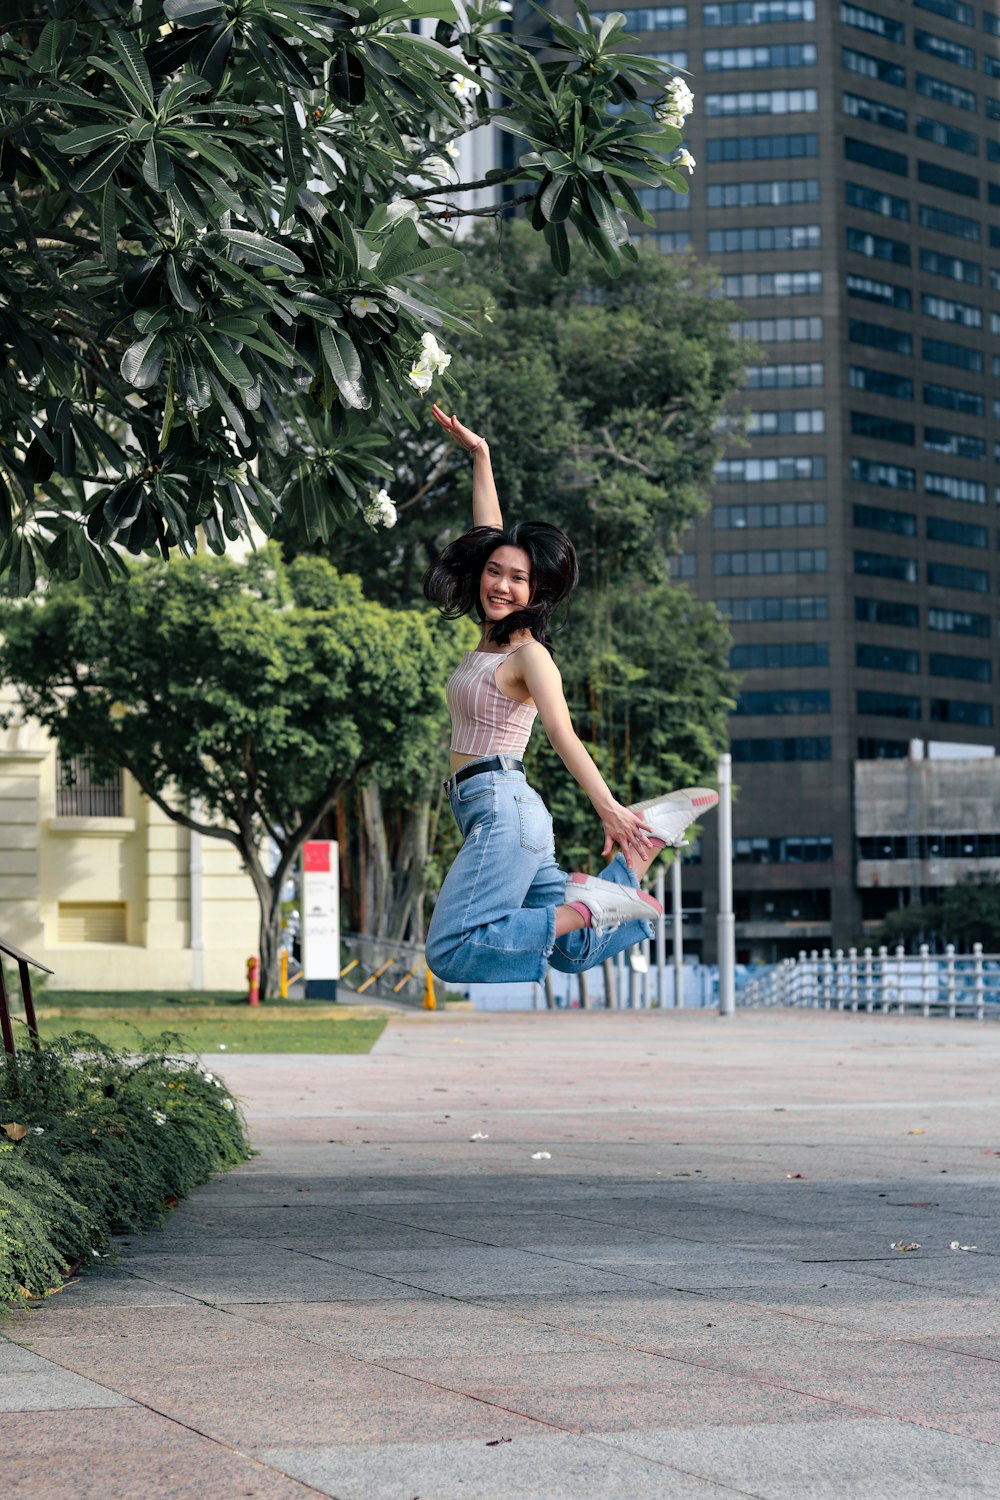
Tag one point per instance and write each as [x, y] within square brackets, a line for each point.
[506, 910]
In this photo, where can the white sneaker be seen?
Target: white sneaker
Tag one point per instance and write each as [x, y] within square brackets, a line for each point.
[669, 816]
[610, 904]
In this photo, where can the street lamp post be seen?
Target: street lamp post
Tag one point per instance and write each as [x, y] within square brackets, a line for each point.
[727, 920]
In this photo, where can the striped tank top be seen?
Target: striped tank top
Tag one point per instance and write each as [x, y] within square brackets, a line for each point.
[484, 721]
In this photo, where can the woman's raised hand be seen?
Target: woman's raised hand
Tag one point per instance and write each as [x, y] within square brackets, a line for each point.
[463, 436]
[629, 832]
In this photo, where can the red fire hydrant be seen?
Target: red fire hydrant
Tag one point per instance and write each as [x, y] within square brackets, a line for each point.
[253, 980]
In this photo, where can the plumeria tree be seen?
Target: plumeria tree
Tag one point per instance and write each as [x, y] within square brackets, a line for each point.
[227, 228]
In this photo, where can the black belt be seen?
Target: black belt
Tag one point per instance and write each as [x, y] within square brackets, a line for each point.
[482, 767]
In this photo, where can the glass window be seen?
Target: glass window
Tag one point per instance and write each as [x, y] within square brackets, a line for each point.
[886, 659]
[944, 48]
[763, 237]
[886, 565]
[646, 17]
[779, 55]
[878, 247]
[870, 66]
[882, 429]
[947, 310]
[760, 13]
[872, 21]
[887, 476]
[773, 284]
[805, 850]
[941, 352]
[879, 336]
[991, 23]
[972, 668]
[886, 612]
[954, 487]
[683, 565]
[873, 290]
[815, 747]
[958, 622]
[776, 655]
[943, 222]
[752, 517]
[952, 10]
[785, 468]
[787, 701]
[763, 102]
[870, 155]
[873, 747]
[876, 112]
[880, 382]
[950, 136]
[783, 377]
[958, 533]
[956, 444]
[875, 202]
[663, 200]
[802, 420]
[957, 711]
[945, 93]
[761, 564]
[952, 266]
[889, 705]
[947, 576]
[774, 194]
[948, 179]
[876, 518]
[779, 330]
[768, 609]
[763, 148]
[668, 242]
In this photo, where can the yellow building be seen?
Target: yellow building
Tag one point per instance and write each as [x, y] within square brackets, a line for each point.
[99, 884]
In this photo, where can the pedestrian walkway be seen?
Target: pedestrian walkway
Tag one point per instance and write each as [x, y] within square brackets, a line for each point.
[571, 1256]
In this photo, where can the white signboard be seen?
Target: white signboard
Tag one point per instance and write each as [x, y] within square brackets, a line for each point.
[321, 918]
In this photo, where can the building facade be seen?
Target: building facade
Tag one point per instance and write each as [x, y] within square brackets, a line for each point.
[848, 190]
[106, 890]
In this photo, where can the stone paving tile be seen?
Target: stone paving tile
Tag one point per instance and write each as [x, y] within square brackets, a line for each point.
[870, 1459]
[552, 1467]
[273, 1276]
[52, 1389]
[477, 1270]
[433, 1326]
[982, 1426]
[110, 1287]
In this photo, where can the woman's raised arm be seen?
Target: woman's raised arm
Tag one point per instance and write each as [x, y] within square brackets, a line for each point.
[485, 501]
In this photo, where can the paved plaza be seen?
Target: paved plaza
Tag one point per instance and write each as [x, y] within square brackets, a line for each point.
[693, 1295]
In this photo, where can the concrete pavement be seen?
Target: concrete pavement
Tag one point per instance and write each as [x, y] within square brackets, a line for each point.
[694, 1294]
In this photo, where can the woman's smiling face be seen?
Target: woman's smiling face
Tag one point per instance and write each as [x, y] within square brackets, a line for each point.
[506, 583]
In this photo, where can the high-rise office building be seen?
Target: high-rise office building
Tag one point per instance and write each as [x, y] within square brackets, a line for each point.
[848, 189]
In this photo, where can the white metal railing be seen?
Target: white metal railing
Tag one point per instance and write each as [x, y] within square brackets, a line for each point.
[926, 983]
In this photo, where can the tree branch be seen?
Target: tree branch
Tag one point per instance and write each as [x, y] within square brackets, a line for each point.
[465, 187]
[452, 212]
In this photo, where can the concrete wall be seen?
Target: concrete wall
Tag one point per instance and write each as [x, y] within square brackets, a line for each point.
[143, 860]
[906, 797]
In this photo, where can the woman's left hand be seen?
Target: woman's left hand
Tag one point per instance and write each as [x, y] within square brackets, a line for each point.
[628, 831]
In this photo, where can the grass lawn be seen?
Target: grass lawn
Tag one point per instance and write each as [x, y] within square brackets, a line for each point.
[207, 1027]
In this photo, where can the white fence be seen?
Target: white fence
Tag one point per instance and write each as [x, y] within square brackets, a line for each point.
[949, 984]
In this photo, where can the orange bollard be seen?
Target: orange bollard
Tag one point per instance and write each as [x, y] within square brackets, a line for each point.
[430, 1001]
[253, 980]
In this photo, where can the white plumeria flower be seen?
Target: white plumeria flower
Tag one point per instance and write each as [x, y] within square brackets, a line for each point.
[362, 306]
[421, 377]
[450, 148]
[436, 167]
[209, 1077]
[433, 355]
[464, 89]
[158, 1117]
[678, 102]
[227, 1104]
[37, 1130]
[380, 510]
[504, 7]
[684, 159]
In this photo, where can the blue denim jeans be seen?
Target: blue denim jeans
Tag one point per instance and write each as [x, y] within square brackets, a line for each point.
[495, 919]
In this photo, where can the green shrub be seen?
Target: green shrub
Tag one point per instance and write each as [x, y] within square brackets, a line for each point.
[105, 1142]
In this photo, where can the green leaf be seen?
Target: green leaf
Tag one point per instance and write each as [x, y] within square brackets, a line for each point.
[109, 225]
[17, 566]
[130, 54]
[53, 44]
[79, 142]
[157, 167]
[291, 139]
[193, 12]
[95, 173]
[557, 199]
[401, 244]
[181, 289]
[227, 360]
[258, 250]
[613, 25]
[143, 360]
[343, 362]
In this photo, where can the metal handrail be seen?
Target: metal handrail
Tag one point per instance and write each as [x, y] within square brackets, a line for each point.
[950, 984]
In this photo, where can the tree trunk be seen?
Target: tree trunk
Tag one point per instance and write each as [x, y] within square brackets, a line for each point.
[270, 942]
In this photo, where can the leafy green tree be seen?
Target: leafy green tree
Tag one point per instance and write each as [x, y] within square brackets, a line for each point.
[966, 913]
[242, 699]
[225, 229]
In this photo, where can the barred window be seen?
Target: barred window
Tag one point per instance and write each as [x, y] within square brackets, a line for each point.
[84, 793]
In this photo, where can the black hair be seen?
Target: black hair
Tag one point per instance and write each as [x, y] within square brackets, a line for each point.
[453, 582]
